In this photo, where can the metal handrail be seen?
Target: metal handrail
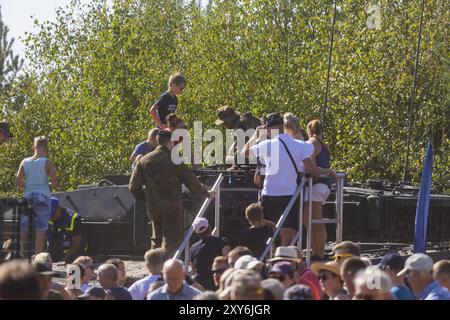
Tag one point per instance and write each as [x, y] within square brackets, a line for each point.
[339, 201]
[281, 220]
[184, 246]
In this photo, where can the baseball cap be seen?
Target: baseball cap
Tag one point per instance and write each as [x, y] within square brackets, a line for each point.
[93, 291]
[45, 258]
[392, 260]
[4, 128]
[244, 261]
[417, 262]
[282, 268]
[226, 114]
[200, 225]
[43, 270]
[274, 119]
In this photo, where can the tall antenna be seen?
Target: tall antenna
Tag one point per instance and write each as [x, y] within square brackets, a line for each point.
[325, 99]
[413, 93]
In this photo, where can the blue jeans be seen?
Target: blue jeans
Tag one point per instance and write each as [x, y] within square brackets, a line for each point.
[41, 211]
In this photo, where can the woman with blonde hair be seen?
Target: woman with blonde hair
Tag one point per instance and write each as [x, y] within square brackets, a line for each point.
[292, 127]
[320, 189]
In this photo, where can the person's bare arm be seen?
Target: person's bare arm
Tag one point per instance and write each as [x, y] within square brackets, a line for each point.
[316, 171]
[155, 117]
[245, 152]
[51, 172]
[20, 176]
[311, 168]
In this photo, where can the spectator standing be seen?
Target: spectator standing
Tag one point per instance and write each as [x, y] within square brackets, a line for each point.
[236, 253]
[168, 101]
[392, 263]
[320, 190]
[121, 270]
[345, 250]
[34, 174]
[441, 273]
[282, 156]
[330, 279]
[419, 272]
[204, 251]
[19, 281]
[304, 275]
[365, 288]
[146, 146]
[219, 266]
[107, 276]
[153, 260]
[175, 288]
[349, 270]
[89, 273]
[255, 237]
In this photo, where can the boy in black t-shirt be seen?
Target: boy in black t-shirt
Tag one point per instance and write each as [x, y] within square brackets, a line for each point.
[168, 101]
[260, 230]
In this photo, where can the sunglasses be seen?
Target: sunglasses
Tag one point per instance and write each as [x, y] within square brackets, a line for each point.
[324, 276]
[339, 257]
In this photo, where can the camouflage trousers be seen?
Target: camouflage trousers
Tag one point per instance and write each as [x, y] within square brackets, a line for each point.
[167, 220]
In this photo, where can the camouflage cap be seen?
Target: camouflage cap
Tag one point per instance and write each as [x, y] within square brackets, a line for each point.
[226, 114]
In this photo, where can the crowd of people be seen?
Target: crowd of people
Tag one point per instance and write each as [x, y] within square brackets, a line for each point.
[216, 271]
[234, 275]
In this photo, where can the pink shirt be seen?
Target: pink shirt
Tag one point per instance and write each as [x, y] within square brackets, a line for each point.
[308, 278]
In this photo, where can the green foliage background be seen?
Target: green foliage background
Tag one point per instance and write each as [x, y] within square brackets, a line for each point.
[95, 72]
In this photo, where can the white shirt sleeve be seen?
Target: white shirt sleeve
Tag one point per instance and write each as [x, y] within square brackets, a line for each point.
[260, 149]
[308, 150]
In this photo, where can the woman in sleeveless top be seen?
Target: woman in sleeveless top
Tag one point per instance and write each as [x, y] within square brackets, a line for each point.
[320, 190]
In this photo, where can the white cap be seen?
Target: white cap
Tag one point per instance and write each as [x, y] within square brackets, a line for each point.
[255, 265]
[243, 262]
[417, 262]
[200, 225]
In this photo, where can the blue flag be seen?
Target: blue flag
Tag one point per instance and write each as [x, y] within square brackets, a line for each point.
[423, 203]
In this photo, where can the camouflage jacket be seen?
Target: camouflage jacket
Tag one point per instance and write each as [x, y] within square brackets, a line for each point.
[162, 178]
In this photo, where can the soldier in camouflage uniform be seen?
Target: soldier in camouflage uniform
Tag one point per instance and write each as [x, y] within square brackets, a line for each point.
[231, 119]
[157, 180]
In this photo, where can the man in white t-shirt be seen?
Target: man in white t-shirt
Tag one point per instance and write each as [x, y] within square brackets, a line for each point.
[154, 261]
[280, 182]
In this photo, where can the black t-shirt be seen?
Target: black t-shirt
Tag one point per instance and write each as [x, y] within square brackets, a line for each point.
[203, 253]
[166, 105]
[255, 239]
